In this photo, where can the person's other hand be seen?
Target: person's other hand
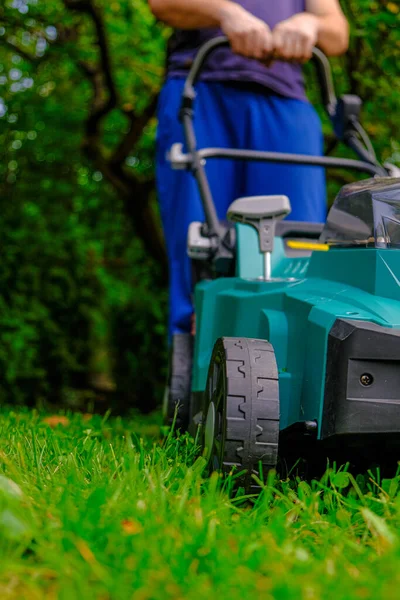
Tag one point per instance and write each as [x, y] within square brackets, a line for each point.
[248, 35]
[294, 39]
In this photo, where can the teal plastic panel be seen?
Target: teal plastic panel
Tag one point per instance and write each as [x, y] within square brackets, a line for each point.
[296, 316]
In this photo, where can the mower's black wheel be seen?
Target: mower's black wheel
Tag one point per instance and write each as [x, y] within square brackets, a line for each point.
[178, 392]
[241, 409]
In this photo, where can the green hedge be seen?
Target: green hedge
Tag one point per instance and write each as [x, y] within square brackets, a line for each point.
[79, 295]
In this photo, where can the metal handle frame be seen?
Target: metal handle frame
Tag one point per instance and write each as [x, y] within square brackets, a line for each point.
[195, 159]
[324, 74]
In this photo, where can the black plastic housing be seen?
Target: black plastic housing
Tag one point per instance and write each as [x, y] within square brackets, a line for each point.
[362, 386]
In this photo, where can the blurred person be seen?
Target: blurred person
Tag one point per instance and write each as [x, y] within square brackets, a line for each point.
[250, 95]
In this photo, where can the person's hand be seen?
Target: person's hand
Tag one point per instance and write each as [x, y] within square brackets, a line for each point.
[295, 38]
[248, 35]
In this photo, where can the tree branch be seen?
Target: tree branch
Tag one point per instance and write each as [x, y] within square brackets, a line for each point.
[100, 106]
[134, 192]
[16, 49]
[137, 124]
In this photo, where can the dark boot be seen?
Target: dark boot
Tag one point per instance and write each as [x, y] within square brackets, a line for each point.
[179, 381]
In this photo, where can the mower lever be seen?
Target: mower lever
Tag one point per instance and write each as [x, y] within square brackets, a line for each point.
[262, 213]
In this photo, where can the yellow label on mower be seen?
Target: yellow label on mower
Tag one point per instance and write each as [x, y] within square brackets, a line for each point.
[312, 246]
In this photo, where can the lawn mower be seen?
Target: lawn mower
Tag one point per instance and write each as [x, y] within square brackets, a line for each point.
[297, 324]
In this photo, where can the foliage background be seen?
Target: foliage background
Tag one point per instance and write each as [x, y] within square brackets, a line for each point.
[82, 269]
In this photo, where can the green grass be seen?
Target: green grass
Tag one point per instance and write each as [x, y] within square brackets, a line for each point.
[106, 509]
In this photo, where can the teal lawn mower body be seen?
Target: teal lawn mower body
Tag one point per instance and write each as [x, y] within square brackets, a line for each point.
[297, 326]
[313, 301]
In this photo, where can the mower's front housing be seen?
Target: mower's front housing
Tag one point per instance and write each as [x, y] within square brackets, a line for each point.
[362, 385]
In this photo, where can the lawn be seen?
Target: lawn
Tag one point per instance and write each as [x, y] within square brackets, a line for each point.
[105, 508]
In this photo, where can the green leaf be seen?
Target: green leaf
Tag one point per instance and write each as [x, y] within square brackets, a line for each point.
[341, 480]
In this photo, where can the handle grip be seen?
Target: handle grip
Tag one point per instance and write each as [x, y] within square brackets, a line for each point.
[324, 74]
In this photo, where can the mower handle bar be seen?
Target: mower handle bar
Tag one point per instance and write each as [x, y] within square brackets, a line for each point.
[180, 160]
[321, 62]
[195, 159]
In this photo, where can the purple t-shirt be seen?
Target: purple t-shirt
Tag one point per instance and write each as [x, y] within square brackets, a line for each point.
[223, 65]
